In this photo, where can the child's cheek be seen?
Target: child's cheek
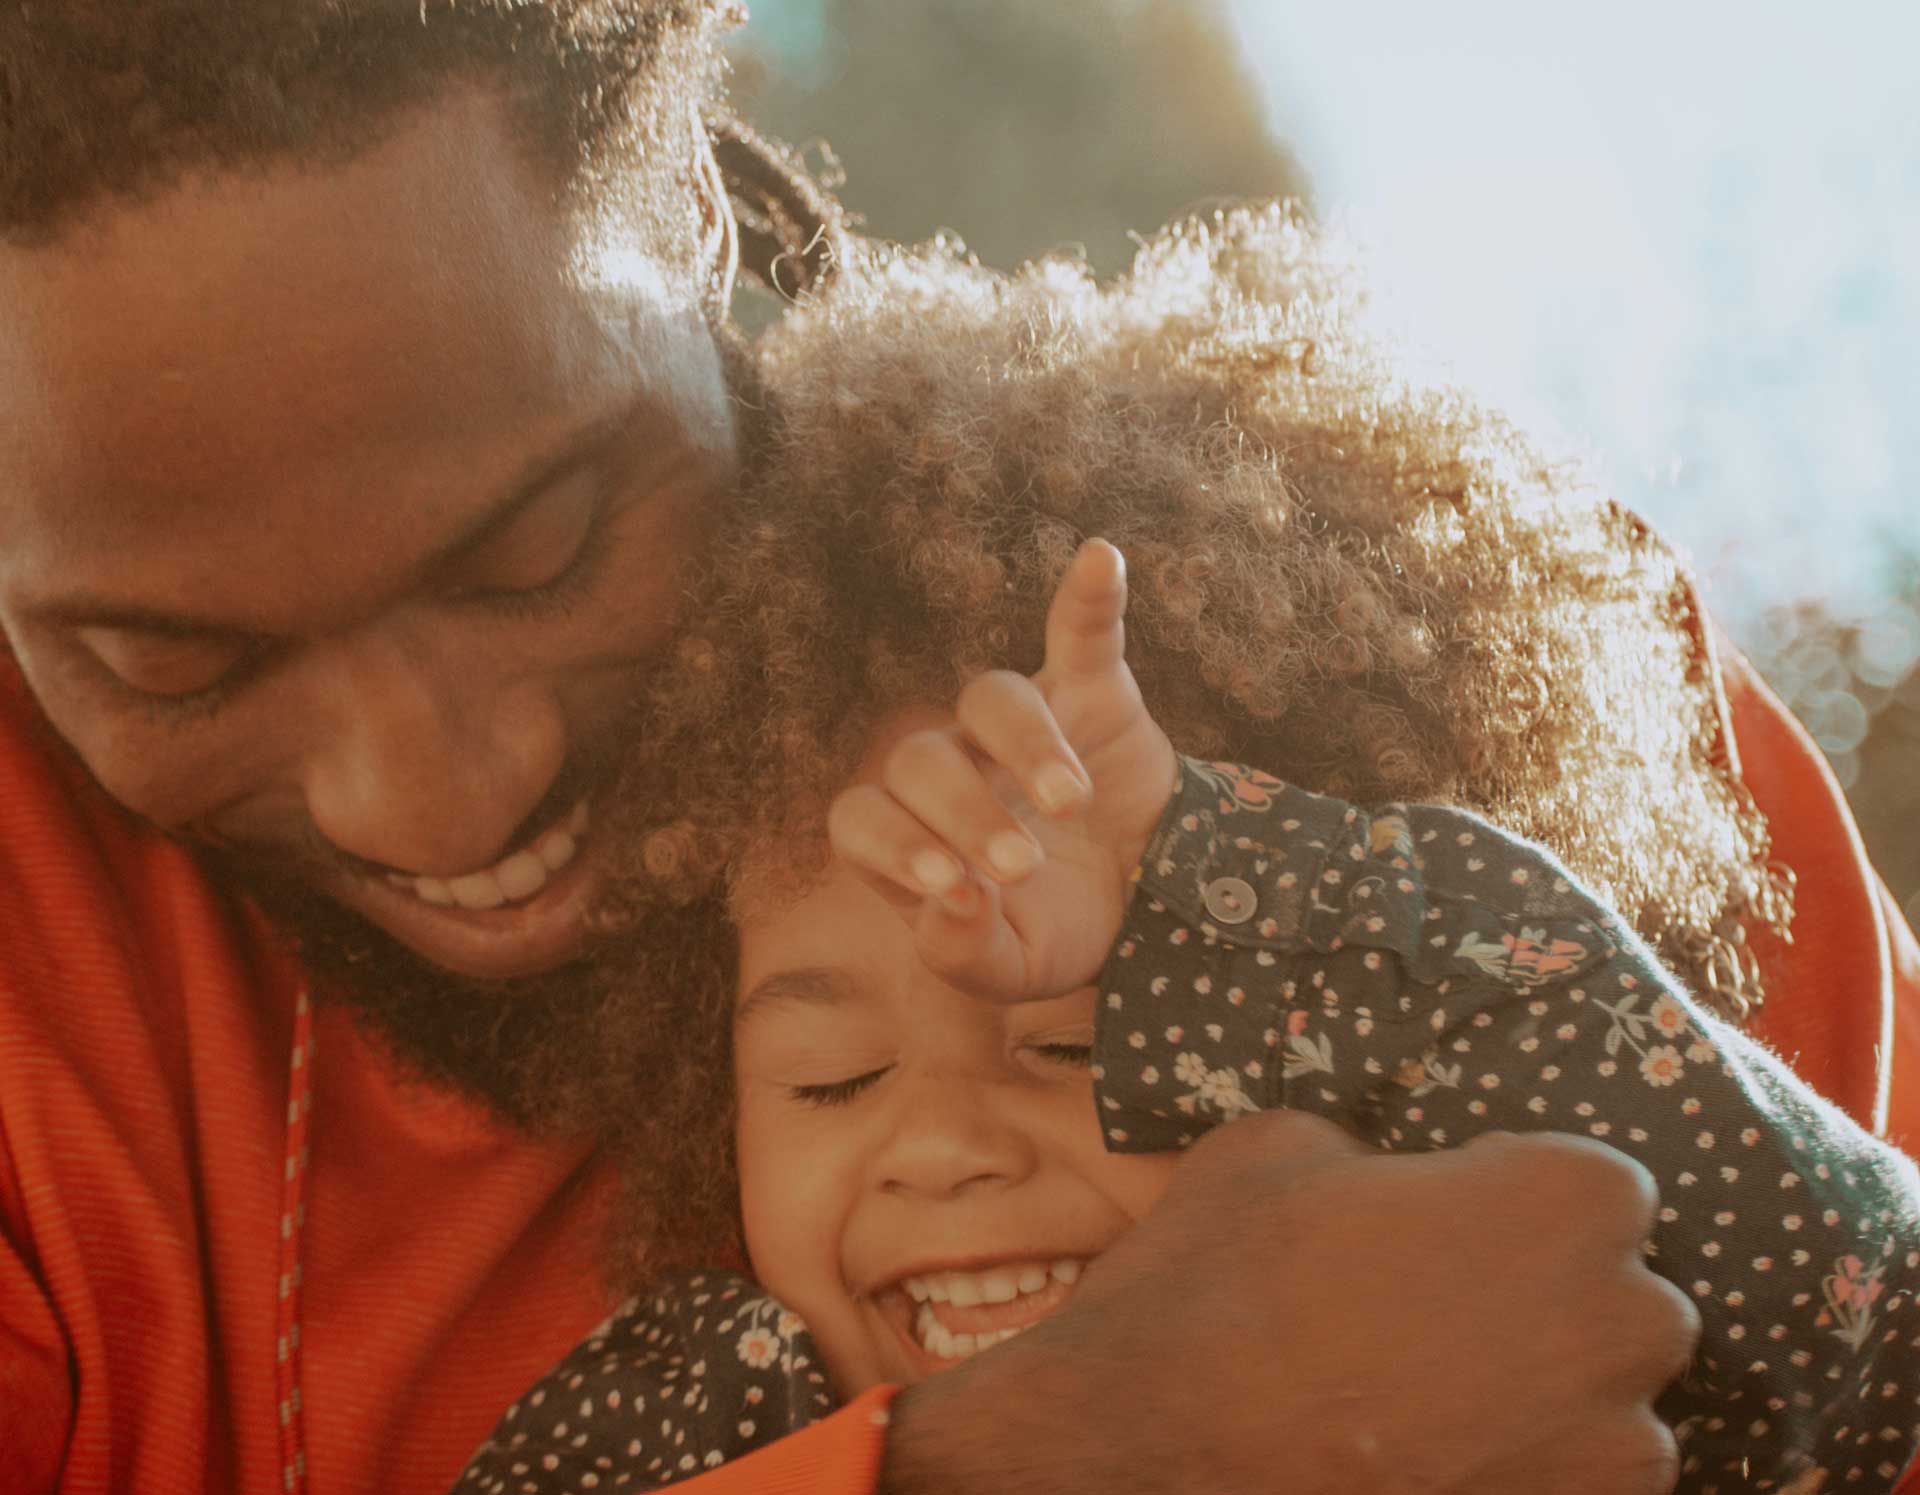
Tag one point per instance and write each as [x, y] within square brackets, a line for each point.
[1136, 1181]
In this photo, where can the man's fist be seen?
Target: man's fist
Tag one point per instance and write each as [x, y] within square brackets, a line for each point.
[1307, 1316]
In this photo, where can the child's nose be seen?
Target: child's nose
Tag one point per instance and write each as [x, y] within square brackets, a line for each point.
[953, 1136]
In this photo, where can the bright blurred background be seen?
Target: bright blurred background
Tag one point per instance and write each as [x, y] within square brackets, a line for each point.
[1680, 240]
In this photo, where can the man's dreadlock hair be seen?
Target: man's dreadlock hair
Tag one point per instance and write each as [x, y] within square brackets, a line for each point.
[106, 100]
[1373, 589]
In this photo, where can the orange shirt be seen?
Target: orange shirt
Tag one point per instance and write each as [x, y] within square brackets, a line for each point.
[145, 1034]
[145, 1037]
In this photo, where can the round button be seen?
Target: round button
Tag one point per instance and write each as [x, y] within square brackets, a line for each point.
[1229, 899]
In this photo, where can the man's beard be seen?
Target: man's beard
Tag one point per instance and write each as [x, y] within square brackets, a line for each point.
[565, 1050]
[555, 1052]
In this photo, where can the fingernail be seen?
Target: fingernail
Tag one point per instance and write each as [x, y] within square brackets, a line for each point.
[934, 871]
[963, 901]
[1012, 854]
[1057, 788]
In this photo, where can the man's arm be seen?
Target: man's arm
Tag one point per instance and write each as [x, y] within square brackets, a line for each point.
[1305, 1316]
[1181, 1364]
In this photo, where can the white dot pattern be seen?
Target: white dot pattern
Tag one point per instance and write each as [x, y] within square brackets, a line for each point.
[1458, 980]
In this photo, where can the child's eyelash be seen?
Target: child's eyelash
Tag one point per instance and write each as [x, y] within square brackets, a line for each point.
[1080, 1054]
[837, 1092]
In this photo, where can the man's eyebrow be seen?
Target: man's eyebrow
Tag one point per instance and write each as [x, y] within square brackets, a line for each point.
[582, 445]
[813, 986]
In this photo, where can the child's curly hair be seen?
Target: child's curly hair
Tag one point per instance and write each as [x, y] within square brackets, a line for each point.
[1374, 590]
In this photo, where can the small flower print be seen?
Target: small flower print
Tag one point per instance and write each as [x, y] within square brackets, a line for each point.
[759, 1348]
[1390, 835]
[1239, 788]
[1190, 1069]
[1534, 959]
[1306, 1056]
[1668, 1017]
[1221, 1090]
[1661, 1065]
[1850, 1291]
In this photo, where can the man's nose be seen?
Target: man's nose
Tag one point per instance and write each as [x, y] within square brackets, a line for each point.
[953, 1135]
[427, 768]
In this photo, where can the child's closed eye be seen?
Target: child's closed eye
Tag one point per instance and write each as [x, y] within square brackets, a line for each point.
[837, 1092]
[1062, 1051]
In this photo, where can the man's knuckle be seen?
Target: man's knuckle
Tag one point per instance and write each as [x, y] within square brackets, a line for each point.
[1613, 1191]
[1649, 1455]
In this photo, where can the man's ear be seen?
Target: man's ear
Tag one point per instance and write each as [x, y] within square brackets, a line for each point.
[719, 234]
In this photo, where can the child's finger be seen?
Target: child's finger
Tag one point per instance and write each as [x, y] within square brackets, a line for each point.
[934, 777]
[1086, 633]
[968, 943]
[874, 834]
[1007, 720]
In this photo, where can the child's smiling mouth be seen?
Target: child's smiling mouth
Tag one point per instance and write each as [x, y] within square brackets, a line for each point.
[944, 1315]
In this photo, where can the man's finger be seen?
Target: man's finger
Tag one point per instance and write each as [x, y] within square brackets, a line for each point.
[1086, 633]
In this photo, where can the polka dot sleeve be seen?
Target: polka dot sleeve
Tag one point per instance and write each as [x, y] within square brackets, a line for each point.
[701, 1370]
[1419, 976]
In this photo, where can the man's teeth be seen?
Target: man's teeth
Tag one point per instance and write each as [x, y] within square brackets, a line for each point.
[513, 879]
[995, 1285]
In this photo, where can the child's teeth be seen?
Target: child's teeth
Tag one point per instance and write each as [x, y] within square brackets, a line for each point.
[999, 1287]
[968, 1290]
[937, 1340]
[432, 890]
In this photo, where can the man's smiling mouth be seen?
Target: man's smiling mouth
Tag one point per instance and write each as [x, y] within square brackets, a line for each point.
[515, 878]
[525, 914]
[947, 1315]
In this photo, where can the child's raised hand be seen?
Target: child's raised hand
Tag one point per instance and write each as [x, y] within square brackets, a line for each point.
[1007, 839]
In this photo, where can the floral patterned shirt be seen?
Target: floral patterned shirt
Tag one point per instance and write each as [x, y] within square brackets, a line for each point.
[1419, 977]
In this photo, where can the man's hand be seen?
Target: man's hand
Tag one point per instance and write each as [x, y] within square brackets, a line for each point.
[1305, 1316]
[1007, 840]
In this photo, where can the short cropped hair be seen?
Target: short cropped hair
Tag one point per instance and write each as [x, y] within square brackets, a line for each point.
[105, 100]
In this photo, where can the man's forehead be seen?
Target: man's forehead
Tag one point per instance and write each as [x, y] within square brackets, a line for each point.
[212, 561]
[218, 377]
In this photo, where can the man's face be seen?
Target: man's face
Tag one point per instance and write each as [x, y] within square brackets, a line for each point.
[339, 507]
